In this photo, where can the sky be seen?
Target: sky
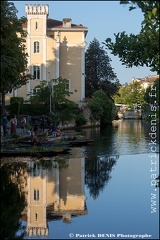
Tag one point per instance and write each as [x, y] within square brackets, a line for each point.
[103, 19]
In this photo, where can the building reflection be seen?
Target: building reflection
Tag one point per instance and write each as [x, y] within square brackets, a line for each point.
[52, 193]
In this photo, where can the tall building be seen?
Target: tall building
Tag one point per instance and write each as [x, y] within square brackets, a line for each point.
[55, 49]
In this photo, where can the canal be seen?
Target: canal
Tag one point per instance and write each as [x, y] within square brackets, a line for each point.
[104, 190]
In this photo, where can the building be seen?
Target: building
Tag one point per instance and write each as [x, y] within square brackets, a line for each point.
[55, 49]
[146, 82]
[53, 192]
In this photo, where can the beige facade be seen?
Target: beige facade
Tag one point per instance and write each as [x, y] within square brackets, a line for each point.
[52, 192]
[55, 49]
[146, 82]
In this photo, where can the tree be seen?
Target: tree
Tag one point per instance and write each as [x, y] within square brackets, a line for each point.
[41, 94]
[102, 108]
[143, 48]
[13, 55]
[99, 73]
[56, 87]
[130, 94]
[57, 92]
[152, 93]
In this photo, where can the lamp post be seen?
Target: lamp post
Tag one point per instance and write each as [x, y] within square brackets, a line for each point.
[51, 95]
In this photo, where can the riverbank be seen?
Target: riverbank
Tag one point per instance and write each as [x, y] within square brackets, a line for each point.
[19, 136]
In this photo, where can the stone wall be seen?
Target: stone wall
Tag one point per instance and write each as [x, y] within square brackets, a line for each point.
[132, 114]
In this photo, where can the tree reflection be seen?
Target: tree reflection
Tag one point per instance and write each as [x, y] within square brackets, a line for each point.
[12, 204]
[100, 159]
[97, 173]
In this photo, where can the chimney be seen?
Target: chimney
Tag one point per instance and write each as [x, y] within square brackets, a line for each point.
[67, 22]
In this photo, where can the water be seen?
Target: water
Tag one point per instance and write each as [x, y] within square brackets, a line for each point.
[105, 190]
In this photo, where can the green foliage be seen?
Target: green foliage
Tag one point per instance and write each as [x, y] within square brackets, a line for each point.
[98, 70]
[102, 108]
[13, 55]
[143, 48]
[80, 120]
[16, 104]
[60, 90]
[41, 94]
[17, 136]
[34, 109]
[12, 204]
[55, 90]
[152, 93]
[55, 93]
[29, 109]
[130, 94]
[64, 112]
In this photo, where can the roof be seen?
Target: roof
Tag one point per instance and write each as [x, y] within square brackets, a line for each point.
[52, 23]
[149, 79]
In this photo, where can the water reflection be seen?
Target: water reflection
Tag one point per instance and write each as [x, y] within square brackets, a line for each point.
[64, 194]
[12, 201]
[98, 171]
[126, 138]
[54, 193]
[52, 190]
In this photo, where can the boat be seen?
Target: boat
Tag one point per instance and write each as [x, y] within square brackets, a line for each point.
[64, 141]
[79, 142]
[34, 151]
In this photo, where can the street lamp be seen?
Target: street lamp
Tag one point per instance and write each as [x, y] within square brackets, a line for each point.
[51, 95]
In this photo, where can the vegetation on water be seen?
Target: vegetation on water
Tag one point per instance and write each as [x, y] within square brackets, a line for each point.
[12, 202]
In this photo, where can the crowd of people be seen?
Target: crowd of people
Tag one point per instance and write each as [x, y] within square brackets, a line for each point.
[9, 124]
[10, 127]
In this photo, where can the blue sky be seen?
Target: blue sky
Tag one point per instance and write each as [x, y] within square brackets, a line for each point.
[103, 19]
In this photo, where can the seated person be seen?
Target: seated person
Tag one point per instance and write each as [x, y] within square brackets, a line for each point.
[34, 140]
[58, 132]
[35, 129]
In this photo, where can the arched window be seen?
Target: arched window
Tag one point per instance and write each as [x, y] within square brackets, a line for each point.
[36, 47]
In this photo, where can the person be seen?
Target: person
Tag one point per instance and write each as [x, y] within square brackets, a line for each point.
[13, 122]
[35, 129]
[34, 140]
[51, 131]
[5, 123]
[23, 124]
[42, 123]
[58, 132]
[33, 136]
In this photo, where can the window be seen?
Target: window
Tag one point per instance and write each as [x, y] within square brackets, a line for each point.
[36, 216]
[36, 169]
[35, 90]
[36, 194]
[67, 85]
[51, 36]
[36, 26]
[36, 72]
[36, 47]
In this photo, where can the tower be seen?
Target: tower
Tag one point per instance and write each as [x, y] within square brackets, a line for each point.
[36, 41]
